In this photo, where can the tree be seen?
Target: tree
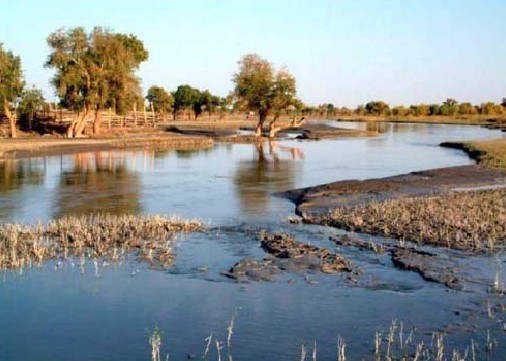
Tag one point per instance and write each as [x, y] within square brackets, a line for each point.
[449, 107]
[161, 100]
[503, 102]
[490, 108]
[185, 98]
[11, 85]
[400, 111]
[31, 101]
[262, 89]
[378, 108]
[94, 71]
[420, 110]
[467, 109]
[434, 109]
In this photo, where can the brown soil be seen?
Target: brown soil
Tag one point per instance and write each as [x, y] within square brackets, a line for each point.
[460, 207]
[320, 199]
[51, 145]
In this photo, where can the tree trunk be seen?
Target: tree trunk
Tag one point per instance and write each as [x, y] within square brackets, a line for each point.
[78, 125]
[79, 130]
[97, 122]
[12, 119]
[261, 121]
[274, 130]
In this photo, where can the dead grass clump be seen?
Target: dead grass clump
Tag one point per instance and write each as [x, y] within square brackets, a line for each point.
[97, 236]
[284, 246]
[460, 220]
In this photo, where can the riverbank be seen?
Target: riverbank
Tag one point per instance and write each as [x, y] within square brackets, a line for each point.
[43, 146]
[495, 122]
[459, 207]
[491, 153]
[181, 135]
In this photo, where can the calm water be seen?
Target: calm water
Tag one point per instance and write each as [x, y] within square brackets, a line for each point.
[107, 314]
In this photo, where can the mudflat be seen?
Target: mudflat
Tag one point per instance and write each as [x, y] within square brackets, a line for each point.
[348, 193]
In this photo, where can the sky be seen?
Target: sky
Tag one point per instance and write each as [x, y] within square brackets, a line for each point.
[344, 52]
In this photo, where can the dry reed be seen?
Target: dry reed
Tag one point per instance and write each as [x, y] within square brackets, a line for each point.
[460, 220]
[94, 236]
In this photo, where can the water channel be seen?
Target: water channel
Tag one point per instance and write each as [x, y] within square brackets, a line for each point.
[107, 313]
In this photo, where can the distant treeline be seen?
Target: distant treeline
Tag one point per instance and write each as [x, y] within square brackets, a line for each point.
[449, 108]
[96, 71]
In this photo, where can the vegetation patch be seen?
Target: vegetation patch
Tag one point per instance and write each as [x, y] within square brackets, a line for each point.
[94, 236]
[474, 220]
[284, 246]
[491, 153]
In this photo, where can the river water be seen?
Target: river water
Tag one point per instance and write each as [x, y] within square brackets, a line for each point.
[108, 311]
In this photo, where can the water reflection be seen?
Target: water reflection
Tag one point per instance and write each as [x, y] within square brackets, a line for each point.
[272, 168]
[16, 175]
[98, 182]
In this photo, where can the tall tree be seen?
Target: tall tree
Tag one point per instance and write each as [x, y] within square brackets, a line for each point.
[94, 71]
[30, 101]
[262, 89]
[11, 85]
[161, 100]
[185, 98]
[378, 108]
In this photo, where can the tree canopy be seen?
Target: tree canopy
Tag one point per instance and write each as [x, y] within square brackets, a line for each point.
[262, 89]
[95, 70]
[30, 101]
[161, 100]
[185, 98]
[11, 84]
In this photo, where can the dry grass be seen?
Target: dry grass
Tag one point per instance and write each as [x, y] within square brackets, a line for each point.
[94, 236]
[461, 220]
[490, 152]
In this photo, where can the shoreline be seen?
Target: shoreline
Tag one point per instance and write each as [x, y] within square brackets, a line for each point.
[188, 135]
[459, 207]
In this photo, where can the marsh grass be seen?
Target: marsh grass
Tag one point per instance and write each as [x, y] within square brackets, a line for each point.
[94, 236]
[492, 152]
[392, 344]
[473, 220]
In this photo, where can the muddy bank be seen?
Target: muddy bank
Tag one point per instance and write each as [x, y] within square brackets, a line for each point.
[459, 207]
[323, 198]
[43, 146]
[286, 253]
[317, 130]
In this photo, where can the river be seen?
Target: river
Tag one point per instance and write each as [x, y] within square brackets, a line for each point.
[108, 311]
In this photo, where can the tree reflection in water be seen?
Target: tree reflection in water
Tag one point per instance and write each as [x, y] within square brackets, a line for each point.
[16, 175]
[274, 168]
[99, 182]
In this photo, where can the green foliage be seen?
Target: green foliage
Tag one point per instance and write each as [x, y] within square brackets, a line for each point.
[160, 99]
[400, 111]
[490, 108]
[11, 77]
[95, 70]
[31, 101]
[185, 98]
[434, 109]
[449, 107]
[377, 108]
[259, 88]
[467, 109]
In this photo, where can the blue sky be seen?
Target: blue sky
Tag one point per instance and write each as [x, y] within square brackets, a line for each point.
[344, 52]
